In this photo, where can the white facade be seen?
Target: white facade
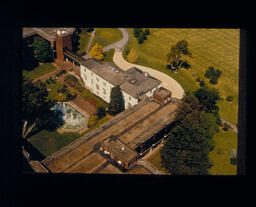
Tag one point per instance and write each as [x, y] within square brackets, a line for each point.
[102, 88]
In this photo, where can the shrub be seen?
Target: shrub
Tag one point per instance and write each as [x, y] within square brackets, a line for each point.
[230, 98]
[132, 56]
[71, 95]
[168, 66]
[147, 32]
[214, 80]
[136, 32]
[47, 82]
[225, 127]
[92, 121]
[202, 83]
[101, 112]
[198, 79]
[233, 160]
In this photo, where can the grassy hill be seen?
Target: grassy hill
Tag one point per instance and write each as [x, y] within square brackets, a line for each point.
[210, 47]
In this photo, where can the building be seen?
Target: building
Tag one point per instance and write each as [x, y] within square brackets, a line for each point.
[102, 77]
[59, 38]
[119, 152]
[162, 95]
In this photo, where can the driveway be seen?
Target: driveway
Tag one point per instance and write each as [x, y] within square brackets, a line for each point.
[167, 81]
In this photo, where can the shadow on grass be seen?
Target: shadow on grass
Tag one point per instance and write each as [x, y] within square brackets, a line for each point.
[34, 153]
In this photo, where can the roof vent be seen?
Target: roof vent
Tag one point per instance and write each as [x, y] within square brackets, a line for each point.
[63, 32]
[58, 32]
[133, 81]
[122, 148]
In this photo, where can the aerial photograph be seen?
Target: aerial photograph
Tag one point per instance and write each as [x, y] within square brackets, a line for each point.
[143, 101]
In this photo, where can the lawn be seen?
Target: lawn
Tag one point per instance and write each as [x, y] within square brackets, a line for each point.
[210, 47]
[106, 36]
[39, 71]
[83, 42]
[155, 159]
[220, 156]
[109, 56]
[49, 142]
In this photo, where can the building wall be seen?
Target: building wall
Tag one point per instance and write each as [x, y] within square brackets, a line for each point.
[102, 88]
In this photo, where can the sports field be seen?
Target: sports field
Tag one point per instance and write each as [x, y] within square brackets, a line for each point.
[210, 47]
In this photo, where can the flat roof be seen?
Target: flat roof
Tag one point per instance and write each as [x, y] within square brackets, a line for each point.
[47, 32]
[132, 128]
[119, 148]
[162, 92]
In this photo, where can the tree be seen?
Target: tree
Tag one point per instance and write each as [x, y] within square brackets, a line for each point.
[97, 52]
[36, 110]
[116, 104]
[101, 112]
[141, 38]
[132, 56]
[43, 50]
[29, 62]
[136, 32]
[176, 53]
[187, 147]
[147, 32]
[208, 99]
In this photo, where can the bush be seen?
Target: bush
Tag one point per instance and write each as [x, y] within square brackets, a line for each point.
[92, 121]
[71, 95]
[198, 79]
[147, 32]
[214, 80]
[168, 67]
[202, 83]
[47, 82]
[101, 112]
[225, 127]
[233, 160]
[230, 98]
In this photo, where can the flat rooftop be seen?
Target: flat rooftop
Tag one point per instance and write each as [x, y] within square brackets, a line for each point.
[162, 92]
[47, 32]
[129, 129]
[119, 148]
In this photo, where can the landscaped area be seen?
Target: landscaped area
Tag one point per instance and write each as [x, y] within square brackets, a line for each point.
[210, 47]
[105, 36]
[39, 71]
[220, 156]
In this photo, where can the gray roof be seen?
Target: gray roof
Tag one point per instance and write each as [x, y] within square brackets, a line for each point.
[113, 75]
[47, 32]
[138, 82]
[133, 81]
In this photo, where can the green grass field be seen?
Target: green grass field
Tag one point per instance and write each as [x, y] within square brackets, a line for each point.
[39, 71]
[83, 42]
[155, 159]
[49, 142]
[110, 35]
[109, 56]
[210, 47]
[220, 156]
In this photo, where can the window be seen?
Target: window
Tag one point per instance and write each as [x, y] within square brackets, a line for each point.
[84, 70]
[129, 97]
[97, 79]
[97, 86]
[91, 74]
[92, 81]
[129, 105]
[104, 90]
[104, 83]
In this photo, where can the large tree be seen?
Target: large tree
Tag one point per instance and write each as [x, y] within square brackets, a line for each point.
[36, 112]
[208, 98]
[116, 104]
[187, 147]
[43, 50]
[175, 57]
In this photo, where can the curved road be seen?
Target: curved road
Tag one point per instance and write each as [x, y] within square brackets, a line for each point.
[167, 81]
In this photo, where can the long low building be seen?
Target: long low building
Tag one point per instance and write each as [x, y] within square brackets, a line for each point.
[137, 129]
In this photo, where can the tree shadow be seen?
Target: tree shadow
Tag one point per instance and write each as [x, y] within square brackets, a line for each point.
[34, 153]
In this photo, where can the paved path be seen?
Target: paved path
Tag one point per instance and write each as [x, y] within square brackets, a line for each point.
[167, 81]
[89, 44]
[233, 127]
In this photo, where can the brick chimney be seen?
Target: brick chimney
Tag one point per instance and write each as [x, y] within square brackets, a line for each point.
[63, 41]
